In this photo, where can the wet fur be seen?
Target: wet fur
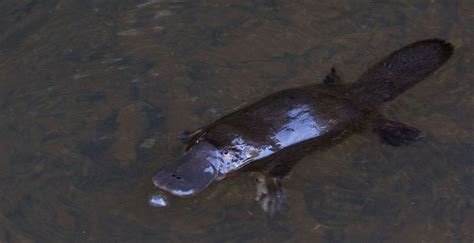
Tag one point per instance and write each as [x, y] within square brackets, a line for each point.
[339, 109]
[381, 83]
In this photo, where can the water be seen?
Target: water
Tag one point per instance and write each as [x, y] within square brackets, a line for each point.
[94, 93]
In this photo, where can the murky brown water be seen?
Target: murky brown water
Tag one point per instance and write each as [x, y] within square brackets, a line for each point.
[94, 93]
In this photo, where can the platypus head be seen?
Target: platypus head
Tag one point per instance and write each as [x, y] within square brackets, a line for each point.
[192, 172]
[203, 163]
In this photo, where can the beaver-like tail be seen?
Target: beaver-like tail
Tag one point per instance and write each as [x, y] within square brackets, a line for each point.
[401, 70]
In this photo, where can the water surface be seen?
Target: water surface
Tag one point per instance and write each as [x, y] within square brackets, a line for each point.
[94, 93]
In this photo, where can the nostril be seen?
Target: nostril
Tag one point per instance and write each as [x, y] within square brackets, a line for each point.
[179, 178]
[173, 175]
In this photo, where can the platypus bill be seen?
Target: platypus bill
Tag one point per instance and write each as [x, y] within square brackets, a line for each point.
[271, 135]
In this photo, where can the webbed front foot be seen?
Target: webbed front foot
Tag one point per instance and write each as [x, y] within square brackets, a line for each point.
[270, 195]
[186, 136]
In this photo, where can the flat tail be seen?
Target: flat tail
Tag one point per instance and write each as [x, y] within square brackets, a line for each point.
[401, 70]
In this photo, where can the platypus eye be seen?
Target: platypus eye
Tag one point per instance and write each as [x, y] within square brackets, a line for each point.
[225, 151]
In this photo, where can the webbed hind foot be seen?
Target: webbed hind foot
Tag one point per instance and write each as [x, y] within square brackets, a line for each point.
[396, 133]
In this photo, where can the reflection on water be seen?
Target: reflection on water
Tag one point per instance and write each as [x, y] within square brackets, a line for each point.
[94, 93]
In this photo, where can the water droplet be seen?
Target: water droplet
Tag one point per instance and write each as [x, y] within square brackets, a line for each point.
[158, 200]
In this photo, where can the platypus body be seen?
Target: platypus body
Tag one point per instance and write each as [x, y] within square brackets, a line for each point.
[271, 135]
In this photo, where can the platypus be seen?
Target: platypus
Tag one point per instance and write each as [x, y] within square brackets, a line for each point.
[272, 134]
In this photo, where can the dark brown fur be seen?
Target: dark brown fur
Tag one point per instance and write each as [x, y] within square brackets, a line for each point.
[351, 106]
[274, 133]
